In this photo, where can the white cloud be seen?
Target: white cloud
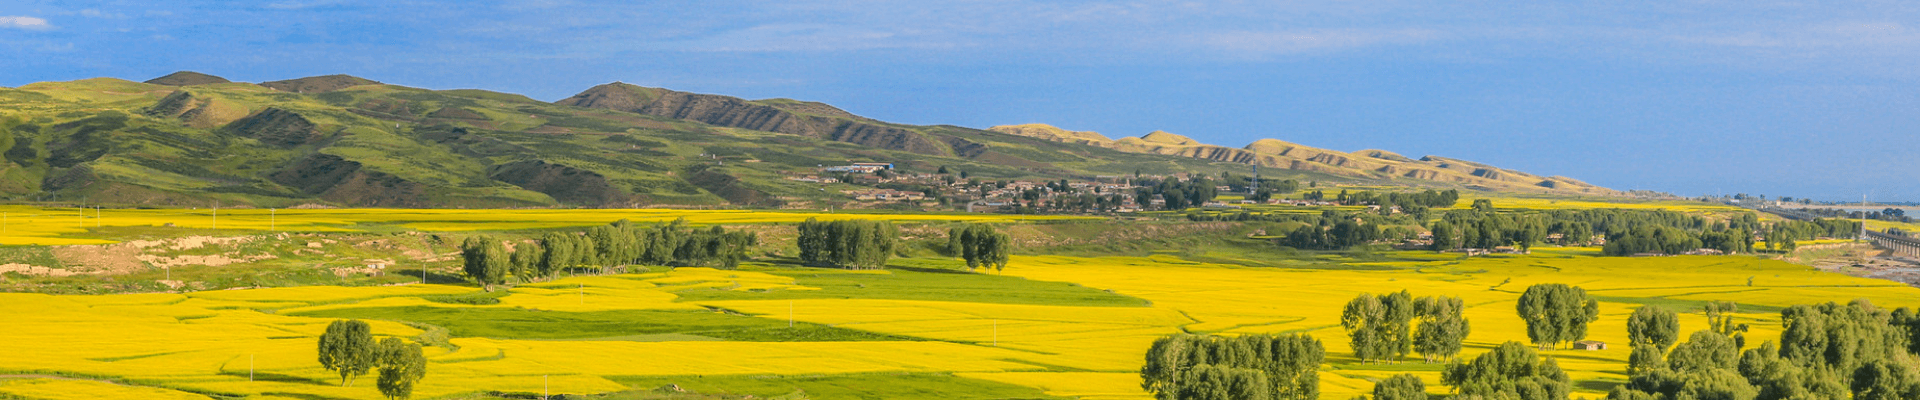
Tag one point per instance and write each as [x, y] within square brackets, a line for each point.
[1260, 43]
[29, 23]
[94, 13]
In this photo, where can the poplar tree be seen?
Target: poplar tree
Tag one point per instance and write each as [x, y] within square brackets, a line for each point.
[486, 260]
[348, 348]
[401, 365]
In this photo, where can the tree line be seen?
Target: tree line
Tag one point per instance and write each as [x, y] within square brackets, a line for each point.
[858, 244]
[603, 248]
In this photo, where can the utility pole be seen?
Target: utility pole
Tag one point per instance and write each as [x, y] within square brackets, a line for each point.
[789, 313]
[1863, 219]
[249, 368]
[996, 333]
[273, 225]
[216, 217]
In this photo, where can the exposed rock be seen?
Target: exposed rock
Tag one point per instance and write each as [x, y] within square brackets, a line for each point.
[187, 78]
[318, 84]
[276, 127]
[563, 183]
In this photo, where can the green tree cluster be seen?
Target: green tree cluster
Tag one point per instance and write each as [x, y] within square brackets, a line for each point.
[1378, 325]
[859, 244]
[1651, 330]
[980, 245]
[1556, 313]
[401, 365]
[348, 348]
[1398, 387]
[1826, 351]
[605, 247]
[486, 260]
[1250, 367]
[1442, 328]
[1510, 371]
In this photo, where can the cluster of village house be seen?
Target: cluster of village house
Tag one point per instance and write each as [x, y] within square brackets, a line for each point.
[1008, 195]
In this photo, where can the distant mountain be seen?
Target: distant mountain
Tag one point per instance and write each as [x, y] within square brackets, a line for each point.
[192, 139]
[187, 78]
[319, 84]
[1366, 164]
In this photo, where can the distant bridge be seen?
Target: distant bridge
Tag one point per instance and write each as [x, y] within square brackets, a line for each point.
[1901, 245]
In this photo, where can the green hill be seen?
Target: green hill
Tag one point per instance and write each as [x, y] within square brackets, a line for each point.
[193, 139]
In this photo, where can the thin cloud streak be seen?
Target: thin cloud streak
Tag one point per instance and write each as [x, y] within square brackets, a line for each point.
[24, 22]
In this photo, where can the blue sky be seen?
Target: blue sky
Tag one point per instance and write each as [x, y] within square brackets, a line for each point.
[1784, 98]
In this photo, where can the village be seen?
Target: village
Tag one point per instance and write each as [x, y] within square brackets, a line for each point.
[1103, 194]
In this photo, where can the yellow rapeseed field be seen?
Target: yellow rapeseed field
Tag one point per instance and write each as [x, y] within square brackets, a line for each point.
[208, 342]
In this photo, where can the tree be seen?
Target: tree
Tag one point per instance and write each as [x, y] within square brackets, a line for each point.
[485, 259]
[1442, 328]
[1187, 366]
[1511, 370]
[1379, 325]
[1400, 387]
[1720, 320]
[1886, 380]
[1483, 205]
[401, 365]
[559, 253]
[1702, 368]
[348, 348]
[980, 245]
[1840, 337]
[526, 262]
[1650, 330]
[847, 244]
[1556, 313]
[1443, 236]
[1779, 379]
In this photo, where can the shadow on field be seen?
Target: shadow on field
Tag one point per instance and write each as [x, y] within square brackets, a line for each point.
[304, 396]
[1597, 385]
[281, 378]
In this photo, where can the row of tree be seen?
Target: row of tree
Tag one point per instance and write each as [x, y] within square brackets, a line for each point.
[348, 348]
[1248, 367]
[1381, 327]
[862, 244]
[620, 243]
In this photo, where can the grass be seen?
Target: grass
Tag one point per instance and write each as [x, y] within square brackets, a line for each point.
[849, 386]
[513, 323]
[929, 284]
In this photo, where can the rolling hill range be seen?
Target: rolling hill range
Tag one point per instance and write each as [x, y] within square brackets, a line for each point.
[1365, 164]
[190, 139]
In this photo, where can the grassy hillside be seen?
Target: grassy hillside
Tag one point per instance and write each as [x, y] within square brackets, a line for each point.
[347, 141]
